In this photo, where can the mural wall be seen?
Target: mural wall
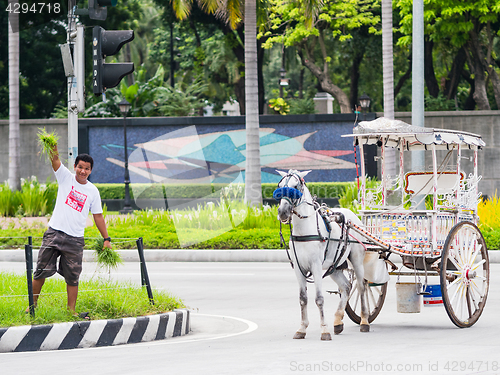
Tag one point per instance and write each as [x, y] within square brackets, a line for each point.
[211, 152]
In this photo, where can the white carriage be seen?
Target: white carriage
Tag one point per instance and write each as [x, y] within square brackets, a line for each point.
[428, 217]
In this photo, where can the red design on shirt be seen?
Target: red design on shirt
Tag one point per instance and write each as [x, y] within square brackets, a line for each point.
[76, 200]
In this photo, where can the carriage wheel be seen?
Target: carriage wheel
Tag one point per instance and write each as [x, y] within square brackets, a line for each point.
[375, 297]
[464, 274]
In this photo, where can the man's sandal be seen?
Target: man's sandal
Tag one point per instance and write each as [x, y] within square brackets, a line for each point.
[84, 315]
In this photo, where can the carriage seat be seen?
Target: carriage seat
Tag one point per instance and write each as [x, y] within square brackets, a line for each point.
[415, 181]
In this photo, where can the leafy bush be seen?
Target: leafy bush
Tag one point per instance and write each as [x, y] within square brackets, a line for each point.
[159, 191]
[258, 230]
[37, 199]
[34, 199]
[9, 200]
[302, 107]
[492, 238]
[279, 105]
[489, 213]
[439, 104]
[153, 97]
[350, 195]
[489, 221]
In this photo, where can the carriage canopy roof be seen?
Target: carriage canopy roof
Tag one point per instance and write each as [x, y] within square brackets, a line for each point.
[398, 134]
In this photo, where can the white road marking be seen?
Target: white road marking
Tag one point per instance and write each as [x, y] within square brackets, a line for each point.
[186, 339]
[173, 340]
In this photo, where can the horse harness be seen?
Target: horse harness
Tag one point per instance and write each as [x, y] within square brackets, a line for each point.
[293, 196]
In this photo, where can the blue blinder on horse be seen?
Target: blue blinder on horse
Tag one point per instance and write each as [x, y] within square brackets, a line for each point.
[287, 192]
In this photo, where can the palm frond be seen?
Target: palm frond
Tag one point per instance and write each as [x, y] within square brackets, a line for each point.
[210, 6]
[181, 8]
[231, 12]
[311, 10]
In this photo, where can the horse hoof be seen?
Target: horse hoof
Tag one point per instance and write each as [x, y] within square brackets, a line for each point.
[326, 336]
[364, 328]
[299, 335]
[338, 329]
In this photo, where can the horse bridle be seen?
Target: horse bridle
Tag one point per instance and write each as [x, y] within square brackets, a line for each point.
[297, 201]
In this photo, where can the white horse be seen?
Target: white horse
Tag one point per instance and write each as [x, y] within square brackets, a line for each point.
[314, 249]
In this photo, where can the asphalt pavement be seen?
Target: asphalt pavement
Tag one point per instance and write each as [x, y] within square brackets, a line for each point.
[244, 316]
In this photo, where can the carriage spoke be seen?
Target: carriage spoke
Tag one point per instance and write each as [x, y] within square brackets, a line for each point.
[476, 250]
[475, 288]
[478, 264]
[465, 245]
[457, 249]
[454, 262]
[455, 294]
[468, 298]
[457, 280]
[461, 300]
[474, 294]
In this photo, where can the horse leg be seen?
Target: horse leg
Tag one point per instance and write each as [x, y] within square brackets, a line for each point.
[357, 263]
[320, 301]
[344, 289]
[301, 333]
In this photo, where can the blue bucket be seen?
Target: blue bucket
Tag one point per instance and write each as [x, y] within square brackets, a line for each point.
[435, 297]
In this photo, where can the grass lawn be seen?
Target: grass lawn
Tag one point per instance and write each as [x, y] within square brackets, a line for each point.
[101, 298]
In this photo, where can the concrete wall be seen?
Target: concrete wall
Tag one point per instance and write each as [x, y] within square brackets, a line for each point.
[485, 123]
[31, 162]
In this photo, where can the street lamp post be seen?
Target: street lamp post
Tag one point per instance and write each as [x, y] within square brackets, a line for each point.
[364, 102]
[283, 81]
[124, 108]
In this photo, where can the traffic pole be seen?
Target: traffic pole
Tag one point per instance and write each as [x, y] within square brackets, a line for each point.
[28, 255]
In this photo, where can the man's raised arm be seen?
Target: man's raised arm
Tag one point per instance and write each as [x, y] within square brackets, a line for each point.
[54, 158]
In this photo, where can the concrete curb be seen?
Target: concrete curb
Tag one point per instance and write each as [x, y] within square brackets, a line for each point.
[174, 255]
[95, 333]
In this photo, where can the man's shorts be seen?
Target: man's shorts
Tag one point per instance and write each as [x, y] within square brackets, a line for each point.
[70, 250]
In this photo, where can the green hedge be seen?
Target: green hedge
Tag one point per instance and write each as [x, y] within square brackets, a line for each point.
[157, 191]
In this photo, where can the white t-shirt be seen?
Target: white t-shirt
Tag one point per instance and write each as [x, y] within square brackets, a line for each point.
[73, 203]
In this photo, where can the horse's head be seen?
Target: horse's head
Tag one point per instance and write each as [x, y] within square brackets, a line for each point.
[289, 193]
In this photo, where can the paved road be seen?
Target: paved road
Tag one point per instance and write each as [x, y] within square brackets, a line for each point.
[244, 317]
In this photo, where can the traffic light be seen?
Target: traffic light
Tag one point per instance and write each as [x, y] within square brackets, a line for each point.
[108, 43]
[98, 10]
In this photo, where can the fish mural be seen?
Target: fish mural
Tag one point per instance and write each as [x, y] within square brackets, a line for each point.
[184, 156]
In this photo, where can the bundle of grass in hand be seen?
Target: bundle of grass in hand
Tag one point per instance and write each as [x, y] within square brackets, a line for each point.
[47, 142]
[106, 257]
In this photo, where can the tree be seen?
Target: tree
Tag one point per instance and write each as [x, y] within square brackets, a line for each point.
[253, 191]
[470, 29]
[197, 13]
[231, 11]
[42, 83]
[296, 25]
[388, 77]
[202, 52]
[14, 133]
[387, 56]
